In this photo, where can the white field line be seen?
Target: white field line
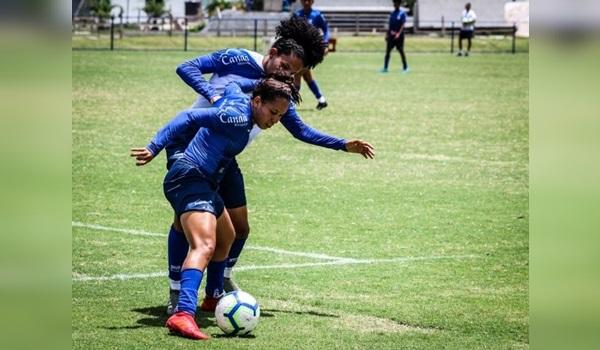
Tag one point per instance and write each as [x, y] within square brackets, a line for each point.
[349, 261]
[251, 247]
[443, 158]
[115, 229]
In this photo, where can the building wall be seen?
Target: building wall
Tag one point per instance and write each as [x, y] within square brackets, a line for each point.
[177, 8]
[490, 11]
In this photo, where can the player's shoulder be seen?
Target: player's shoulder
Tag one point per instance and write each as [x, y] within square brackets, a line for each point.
[257, 57]
[235, 112]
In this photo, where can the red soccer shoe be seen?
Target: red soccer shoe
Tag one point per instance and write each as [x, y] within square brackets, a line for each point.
[184, 324]
[209, 304]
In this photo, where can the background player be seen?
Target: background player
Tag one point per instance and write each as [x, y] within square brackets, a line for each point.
[467, 30]
[395, 37]
[317, 19]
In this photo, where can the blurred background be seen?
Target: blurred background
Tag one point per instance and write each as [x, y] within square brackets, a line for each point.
[354, 25]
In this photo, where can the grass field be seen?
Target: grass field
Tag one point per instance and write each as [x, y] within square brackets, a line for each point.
[426, 245]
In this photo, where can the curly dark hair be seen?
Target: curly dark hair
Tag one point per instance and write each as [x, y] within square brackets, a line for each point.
[289, 46]
[277, 85]
[306, 36]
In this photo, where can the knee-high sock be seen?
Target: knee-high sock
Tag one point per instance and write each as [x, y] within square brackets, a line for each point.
[188, 295]
[177, 249]
[315, 89]
[234, 254]
[214, 278]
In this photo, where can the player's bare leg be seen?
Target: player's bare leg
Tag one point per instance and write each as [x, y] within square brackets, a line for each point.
[214, 282]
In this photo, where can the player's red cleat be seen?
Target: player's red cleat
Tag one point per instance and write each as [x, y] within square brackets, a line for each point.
[184, 324]
[209, 304]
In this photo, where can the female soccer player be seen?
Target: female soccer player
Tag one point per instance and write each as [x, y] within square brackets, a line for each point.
[395, 37]
[298, 45]
[191, 184]
[315, 18]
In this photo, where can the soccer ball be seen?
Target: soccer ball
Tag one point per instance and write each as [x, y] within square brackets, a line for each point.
[237, 313]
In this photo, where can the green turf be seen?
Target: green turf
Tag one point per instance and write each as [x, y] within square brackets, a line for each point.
[450, 180]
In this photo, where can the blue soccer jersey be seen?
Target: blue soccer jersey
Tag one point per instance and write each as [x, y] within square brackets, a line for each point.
[241, 70]
[225, 66]
[397, 19]
[317, 19]
[222, 133]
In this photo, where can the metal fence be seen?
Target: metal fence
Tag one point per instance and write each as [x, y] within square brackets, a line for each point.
[171, 33]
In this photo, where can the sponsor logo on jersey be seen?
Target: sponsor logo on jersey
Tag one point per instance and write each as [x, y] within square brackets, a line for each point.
[227, 60]
[232, 116]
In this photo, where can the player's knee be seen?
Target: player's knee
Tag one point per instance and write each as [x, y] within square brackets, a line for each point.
[206, 248]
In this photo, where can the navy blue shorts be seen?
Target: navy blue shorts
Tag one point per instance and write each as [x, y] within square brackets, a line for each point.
[231, 188]
[187, 189]
[466, 34]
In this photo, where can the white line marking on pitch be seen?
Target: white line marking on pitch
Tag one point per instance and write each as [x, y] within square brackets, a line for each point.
[444, 158]
[252, 247]
[114, 229]
[349, 261]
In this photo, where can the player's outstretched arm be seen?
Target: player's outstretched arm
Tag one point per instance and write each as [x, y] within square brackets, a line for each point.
[362, 147]
[142, 156]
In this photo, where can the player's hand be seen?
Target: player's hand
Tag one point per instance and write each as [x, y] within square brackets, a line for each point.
[362, 147]
[142, 156]
[215, 99]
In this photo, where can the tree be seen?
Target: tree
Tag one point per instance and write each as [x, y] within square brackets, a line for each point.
[224, 4]
[155, 8]
[101, 8]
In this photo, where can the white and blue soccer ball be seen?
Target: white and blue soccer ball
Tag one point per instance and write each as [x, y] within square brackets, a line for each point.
[237, 313]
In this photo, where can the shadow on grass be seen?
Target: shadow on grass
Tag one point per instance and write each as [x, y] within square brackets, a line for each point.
[158, 318]
[221, 335]
[266, 313]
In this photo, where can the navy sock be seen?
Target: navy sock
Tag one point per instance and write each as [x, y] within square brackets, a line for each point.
[188, 295]
[177, 249]
[235, 251]
[315, 89]
[214, 278]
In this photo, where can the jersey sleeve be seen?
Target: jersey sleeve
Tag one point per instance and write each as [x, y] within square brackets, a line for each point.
[190, 118]
[403, 18]
[304, 132]
[191, 73]
[322, 24]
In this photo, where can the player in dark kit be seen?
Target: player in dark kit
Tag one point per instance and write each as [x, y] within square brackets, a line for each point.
[395, 37]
